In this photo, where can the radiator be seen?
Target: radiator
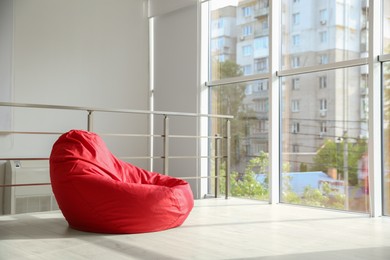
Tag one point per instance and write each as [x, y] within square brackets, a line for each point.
[23, 199]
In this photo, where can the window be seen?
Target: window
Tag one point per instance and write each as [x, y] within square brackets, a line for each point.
[316, 103]
[262, 105]
[220, 23]
[247, 30]
[323, 81]
[247, 50]
[295, 105]
[295, 62]
[247, 11]
[296, 18]
[264, 3]
[323, 16]
[263, 85]
[323, 104]
[261, 43]
[324, 37]
[295, 127]
[247, 69]
[249, 89]
[296, 39]
[324, 59]
[295, 83]
[261, 65]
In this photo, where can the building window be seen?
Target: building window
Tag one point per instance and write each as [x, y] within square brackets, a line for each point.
[295, 148]
[324, 36]
[324, 59]
[261, 43]
[220, 23]
[247, 11]
[296, 18]
[323, 16]
[295, 127]
[263, 85]
[296, 39]
[247, 70]
[264, 24]
[323, 104]
[294, 105]
[295, 84]
[261, 65]
[247, 50]
[323, 127]
[295, 62]
[323, 81]
[247, 30]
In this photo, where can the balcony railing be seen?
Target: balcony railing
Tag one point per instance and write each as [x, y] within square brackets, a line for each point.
[219, 157]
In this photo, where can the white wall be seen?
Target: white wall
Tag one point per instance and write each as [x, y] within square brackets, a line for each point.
[176, 82]
[80, 53]
[5, 61]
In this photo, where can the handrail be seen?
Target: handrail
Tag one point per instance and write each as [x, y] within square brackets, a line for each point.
[166, 137]
[96, 109]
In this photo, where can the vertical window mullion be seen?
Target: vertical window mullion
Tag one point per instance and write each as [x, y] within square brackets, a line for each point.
[274, 97]
[375, 111]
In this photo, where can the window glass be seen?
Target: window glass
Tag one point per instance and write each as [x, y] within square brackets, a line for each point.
[386, 26]
[333, 31]
[243, 26]
[249, 104]
[386, 137]
[324, 139]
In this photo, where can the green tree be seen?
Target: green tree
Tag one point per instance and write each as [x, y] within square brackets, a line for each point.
[245, 185]
[228, 99]
[331, 155]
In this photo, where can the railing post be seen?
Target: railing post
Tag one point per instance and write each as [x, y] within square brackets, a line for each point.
[217, 163]
[90, 121]
[166, 144]
[227, 158]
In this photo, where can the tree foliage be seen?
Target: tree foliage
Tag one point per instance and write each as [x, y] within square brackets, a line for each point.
[331, 155]
[228, 100]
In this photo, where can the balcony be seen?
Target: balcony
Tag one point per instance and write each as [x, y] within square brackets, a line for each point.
[260, 12]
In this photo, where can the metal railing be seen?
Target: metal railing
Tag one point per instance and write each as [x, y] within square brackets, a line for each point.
[166, 136]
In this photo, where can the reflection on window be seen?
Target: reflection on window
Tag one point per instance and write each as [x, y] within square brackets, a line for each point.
[295, 83]
[295, 106]
[296, 39]
[328, 169]
[386, 137]
[248, 102]
[296, 18]
[239, 34]
[323, 80]
[323, 37]
[339, 32]
[386, 27]
[323, 16]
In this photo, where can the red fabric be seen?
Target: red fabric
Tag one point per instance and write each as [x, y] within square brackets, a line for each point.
[97, 192]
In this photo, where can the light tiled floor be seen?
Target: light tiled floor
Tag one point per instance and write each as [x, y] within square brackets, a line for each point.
[216, 229]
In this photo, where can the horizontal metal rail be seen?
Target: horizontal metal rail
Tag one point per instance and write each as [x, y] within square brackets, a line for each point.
[166, 136]
[126, 111]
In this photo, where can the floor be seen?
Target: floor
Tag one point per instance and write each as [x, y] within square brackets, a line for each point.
[215, 229]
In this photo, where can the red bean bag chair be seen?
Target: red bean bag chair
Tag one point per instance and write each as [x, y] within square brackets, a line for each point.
[97, 192]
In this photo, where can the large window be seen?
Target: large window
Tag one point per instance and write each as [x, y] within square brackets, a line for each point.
[386, 136]
[386, 106]
[329, 169]
[322, 82]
